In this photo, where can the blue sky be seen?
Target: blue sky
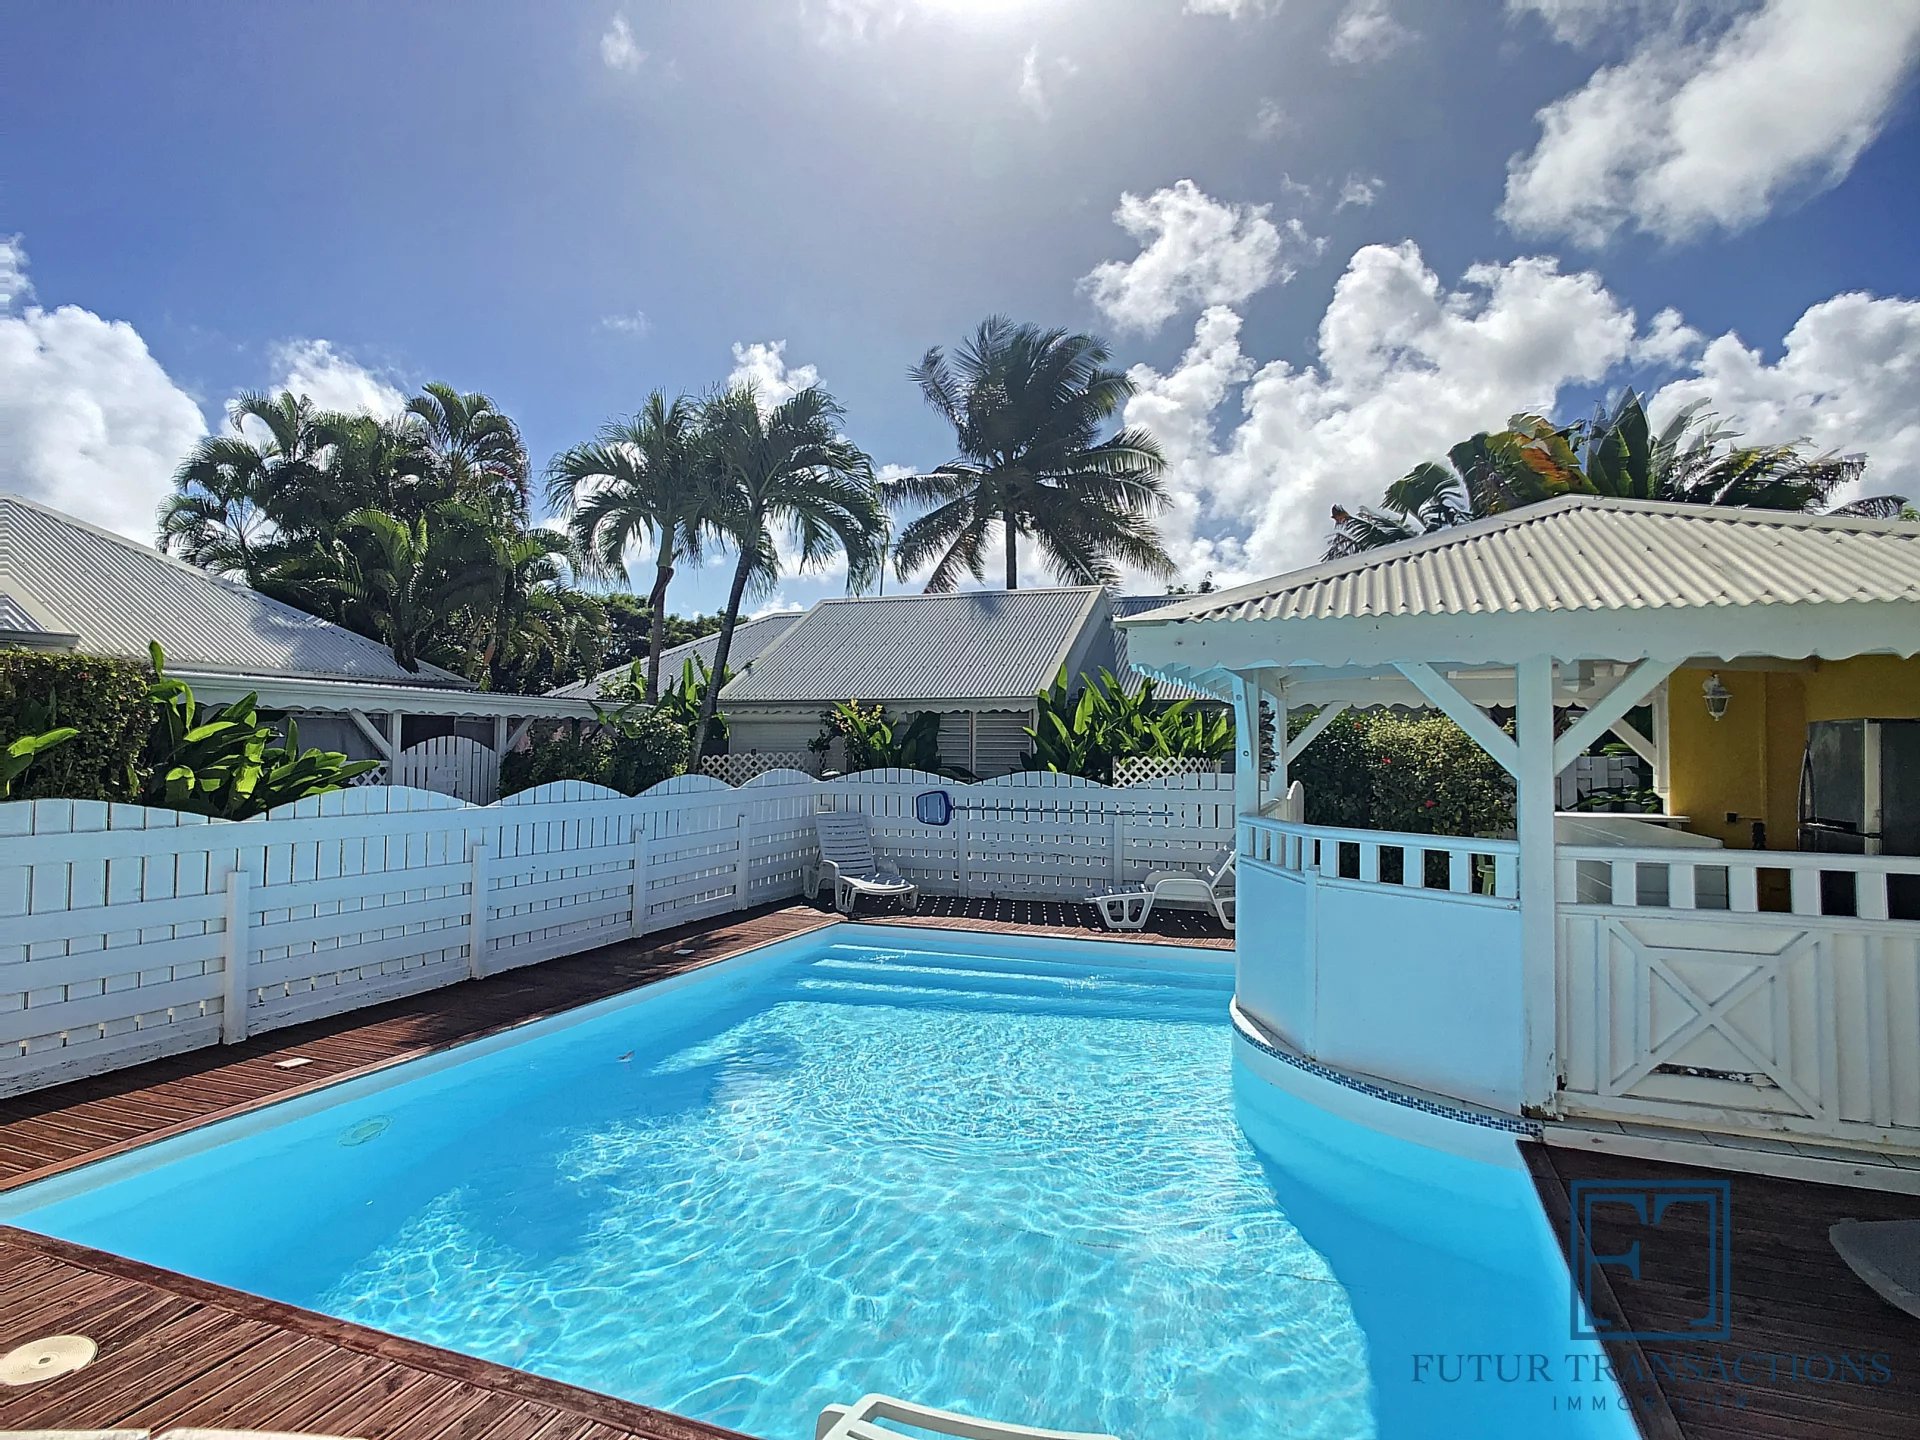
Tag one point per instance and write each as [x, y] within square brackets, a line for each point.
[1332, 234]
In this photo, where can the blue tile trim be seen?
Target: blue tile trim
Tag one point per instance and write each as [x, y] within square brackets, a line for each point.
[1511, 1124]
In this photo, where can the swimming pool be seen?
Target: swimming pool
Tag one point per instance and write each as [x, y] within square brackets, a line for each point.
[1005, 1176]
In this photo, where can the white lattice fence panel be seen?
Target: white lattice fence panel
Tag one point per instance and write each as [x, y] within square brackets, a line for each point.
[739, 769]
[1136, 769]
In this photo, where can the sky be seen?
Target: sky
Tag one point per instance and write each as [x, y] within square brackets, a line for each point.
[1326, 237]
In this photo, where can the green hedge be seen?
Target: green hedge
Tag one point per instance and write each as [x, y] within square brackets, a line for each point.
[650, 747]
[105, 698]
[1419, 773]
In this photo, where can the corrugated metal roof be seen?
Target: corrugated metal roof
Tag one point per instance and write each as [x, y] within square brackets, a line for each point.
[13, 617]
[1131, 678]
[1587, 554]
[974, 644]
[116, 595]
[751, 637]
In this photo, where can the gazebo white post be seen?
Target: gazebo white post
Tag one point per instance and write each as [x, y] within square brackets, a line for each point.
[1246, 745]
[1275, 782]
[1662, 774]
[1533, 807]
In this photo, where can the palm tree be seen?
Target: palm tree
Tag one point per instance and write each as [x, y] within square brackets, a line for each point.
[478, 449]
[1692, 460]
[642, 477]
[538, 624]
[229, 488]
[1027, 407]
[371, 464]
[414, 577]
[785, 472]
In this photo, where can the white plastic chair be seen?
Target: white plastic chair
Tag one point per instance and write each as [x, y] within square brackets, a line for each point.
[1214, 890]
[860, 1421]
[847, 860]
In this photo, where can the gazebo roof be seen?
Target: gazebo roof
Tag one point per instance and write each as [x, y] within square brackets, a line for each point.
[1579, 578]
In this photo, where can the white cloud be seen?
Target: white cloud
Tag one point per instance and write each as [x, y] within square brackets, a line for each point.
[15, 288]
[1711, 126]
[1367, 31]
[634, 323]
[1195, 250]
[617, 48]
[1270, 121]
[1848, 379]
[1232, 9]
[1405, 367]
[1669, 341]
[332, 379]
[1036, 74]
[763, 365]
[90, 422]
[775, 604]
[1360, 190]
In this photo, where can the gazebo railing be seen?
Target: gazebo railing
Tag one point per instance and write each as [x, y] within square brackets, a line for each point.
[1466, 867]
[1741, 882]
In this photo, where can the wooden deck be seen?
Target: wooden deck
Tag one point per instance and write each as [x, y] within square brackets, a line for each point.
[179, 1351]
[1796, 1308]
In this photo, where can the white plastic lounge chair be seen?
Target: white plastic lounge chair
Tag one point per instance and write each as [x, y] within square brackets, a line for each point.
[847, 860]
[1129, 909]
[1885, 1254]
[860, 1421]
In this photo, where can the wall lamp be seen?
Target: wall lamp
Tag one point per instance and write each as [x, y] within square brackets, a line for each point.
[1717, 696]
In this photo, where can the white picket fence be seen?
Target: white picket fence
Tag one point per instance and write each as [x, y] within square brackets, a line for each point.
[128, 933]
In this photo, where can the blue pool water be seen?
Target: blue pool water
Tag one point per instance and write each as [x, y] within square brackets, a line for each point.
[1013, 1178]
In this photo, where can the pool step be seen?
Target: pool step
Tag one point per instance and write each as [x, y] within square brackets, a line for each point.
[1130, 1001]
[937, 968]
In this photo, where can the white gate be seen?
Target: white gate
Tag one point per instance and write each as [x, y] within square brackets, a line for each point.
[1683, 1000]
[450, 765]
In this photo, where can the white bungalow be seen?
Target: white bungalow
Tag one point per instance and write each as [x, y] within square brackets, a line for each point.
[68, 585]
[1596, 970]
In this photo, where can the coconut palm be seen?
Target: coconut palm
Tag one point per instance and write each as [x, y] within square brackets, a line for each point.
[1028, 407]
[1692, 460]
[478, 450]
[642, 478]
[227, 491]
[413, 578]
[534, 614]
[784, 473]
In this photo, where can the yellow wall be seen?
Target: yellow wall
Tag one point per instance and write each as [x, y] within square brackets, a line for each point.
[1748, 762]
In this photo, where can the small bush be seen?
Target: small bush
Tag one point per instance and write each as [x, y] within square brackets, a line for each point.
[646, 748]
[553, 757]
[649, 746]
[1417, 773]
[104, 698]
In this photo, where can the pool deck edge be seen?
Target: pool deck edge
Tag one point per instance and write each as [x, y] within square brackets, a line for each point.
[222, 1308]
